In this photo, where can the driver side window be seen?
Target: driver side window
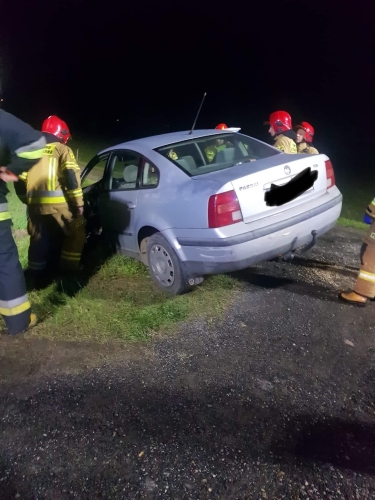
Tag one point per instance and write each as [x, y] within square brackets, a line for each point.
[124, 171]
[95, 171]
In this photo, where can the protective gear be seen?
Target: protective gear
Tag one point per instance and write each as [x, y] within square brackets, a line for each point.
[172, 155]
[285, 144]
[367, 219]
[57, 127]
[54, 234]
[53, 194]
[211, 151]
[306, 146]
[365, 284]
[21, 147]
[221, 126]
[280, 121]
[309, 129]
[353, 298]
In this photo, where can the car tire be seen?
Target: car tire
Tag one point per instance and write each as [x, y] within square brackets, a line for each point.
[165, 267]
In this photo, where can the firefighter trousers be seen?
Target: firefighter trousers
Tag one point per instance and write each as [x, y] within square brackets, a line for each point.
[55, 236]
[14, 303]
[365, 284]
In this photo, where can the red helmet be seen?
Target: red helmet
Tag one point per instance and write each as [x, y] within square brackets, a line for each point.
[55, 126]
[221, 126]
[309, 131]
[280, 121]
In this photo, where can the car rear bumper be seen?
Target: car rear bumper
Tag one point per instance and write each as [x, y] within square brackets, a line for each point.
[220, 255]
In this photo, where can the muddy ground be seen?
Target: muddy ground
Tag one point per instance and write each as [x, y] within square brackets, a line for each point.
[276, 400]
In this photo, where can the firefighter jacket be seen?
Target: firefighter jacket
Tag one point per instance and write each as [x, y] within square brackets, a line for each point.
[284, 143]
[21, 147]
[211, 151]
[54, 183]
[304, 147]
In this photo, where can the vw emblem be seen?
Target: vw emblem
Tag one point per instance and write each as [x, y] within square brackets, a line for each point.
[287, 169]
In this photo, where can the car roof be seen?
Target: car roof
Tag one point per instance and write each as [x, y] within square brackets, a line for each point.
[157, 141]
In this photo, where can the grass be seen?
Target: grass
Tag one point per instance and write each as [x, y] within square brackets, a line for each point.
[355, 200]
[120, 302]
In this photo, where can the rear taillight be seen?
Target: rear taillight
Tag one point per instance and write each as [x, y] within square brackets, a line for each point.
[223, 209]
[330, 174]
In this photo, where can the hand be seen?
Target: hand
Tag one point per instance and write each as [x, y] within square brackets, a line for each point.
[77, 212]
[7, 176]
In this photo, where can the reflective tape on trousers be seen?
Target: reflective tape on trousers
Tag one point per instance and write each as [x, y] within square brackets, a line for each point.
[14, 306]
[4, 214]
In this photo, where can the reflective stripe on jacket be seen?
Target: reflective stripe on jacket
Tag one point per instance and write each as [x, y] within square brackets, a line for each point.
[55, 180]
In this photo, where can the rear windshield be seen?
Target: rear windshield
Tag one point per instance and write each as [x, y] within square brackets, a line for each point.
[215, 152]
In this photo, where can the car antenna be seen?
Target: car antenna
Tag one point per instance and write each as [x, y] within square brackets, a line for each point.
[199, 110]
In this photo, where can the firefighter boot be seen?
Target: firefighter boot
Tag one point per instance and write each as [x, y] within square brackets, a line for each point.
[353, 298]
[33, 321]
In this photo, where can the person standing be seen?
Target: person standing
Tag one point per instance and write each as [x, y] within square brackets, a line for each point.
[280, 123]
[21, 147]
[53, 194]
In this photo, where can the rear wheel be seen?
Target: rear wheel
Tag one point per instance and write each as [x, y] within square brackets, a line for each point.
[165, 267]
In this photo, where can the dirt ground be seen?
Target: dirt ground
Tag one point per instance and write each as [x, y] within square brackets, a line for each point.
[274, 400]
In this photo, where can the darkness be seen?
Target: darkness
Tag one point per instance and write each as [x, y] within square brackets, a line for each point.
[148, 64]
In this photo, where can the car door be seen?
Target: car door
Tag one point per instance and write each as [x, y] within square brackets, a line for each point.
[118, 200]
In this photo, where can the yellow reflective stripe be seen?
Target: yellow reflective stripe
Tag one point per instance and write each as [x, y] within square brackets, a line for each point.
[5, 216]
[74, 257]
[373, 201]
[13, 311]
[31, 155]
[75, 193]
[70, 164]
[23, 176]
[366, 276]
[46, 201]
[51, 174]
[65, 252]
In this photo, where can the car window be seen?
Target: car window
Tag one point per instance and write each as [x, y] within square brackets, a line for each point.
[215, 152]
[124, 171]
[150, 175]
[94, 171]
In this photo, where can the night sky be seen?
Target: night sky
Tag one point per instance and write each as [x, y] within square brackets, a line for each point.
[149, 63]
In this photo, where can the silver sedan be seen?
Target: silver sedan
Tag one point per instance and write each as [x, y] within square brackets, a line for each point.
[208, 202]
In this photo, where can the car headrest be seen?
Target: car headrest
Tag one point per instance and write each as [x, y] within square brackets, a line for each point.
[225, 155]
[184, 164]
[130, 173]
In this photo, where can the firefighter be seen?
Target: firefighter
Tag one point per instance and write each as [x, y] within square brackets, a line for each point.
[216, 146]
[53, 194]
[304, 137]
[364, 288]
[21, 147]
[281, 130]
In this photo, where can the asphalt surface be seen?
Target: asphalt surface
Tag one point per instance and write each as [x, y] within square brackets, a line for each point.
[275, 401]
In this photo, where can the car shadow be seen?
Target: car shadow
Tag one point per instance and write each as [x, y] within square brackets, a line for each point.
[262, 280]
[350, 271]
